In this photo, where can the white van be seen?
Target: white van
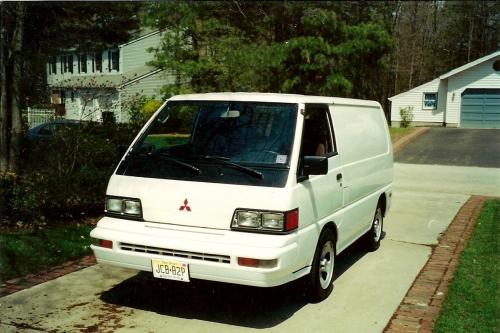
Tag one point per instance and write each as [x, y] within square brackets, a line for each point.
[248, 188]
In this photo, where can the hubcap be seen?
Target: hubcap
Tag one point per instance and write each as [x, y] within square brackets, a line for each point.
[326, 263]
[377, 225]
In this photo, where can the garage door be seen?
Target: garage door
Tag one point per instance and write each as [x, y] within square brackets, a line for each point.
[480, 108]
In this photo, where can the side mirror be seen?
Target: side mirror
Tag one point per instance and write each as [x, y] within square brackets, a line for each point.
[315, 165]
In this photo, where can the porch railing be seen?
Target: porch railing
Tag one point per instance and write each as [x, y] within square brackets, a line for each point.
[36, 116]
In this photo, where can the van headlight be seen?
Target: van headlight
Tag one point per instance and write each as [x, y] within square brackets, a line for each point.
[247, 219]
[123, 207]
[263, 221]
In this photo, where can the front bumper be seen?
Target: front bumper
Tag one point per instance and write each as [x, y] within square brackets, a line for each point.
[211, 254]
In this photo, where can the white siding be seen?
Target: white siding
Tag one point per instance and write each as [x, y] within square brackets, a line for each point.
[72, 105]
[149, 86]
[135, 54]
[88, 104]
[415, 97]
[480, 76]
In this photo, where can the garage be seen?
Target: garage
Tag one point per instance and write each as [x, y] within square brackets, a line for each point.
[480, 108]
[467, 96]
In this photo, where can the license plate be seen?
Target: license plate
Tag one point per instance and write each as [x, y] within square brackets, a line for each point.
[170, 269]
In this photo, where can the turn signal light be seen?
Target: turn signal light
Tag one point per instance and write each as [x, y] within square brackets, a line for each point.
[103, 243]
[292, 220]
[248, 262]
[261, 263]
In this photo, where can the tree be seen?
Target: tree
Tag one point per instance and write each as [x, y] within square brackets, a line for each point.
[11, 68]
[294, 47]
[30, 33]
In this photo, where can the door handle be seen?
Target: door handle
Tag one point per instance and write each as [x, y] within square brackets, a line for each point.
[339, 177]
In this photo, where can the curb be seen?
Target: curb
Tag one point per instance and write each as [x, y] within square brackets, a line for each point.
[30, 280]
[401, 143]
[422, 303]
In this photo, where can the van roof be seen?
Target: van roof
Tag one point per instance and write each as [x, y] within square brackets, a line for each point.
[271, 97]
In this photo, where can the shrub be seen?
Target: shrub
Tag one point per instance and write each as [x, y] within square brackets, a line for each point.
[150, 107]
[406, 116]
[140, 109]
[65, 176]
[7, 181]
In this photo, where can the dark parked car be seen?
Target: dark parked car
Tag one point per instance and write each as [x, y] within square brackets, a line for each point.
[46, 130]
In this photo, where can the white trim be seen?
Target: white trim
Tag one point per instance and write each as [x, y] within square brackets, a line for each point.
[417, 87]
[140, 38]
[272, 97]
[139, 78]
[469, 65]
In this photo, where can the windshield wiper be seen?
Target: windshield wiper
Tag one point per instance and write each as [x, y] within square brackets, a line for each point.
[169, 158]
[225, 161]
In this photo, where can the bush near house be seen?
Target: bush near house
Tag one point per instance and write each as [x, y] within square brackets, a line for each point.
[64, 177]
[140, 108]
[406, 116]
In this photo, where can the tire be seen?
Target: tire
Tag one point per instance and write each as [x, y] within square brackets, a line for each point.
[374, 235]
[319, 281]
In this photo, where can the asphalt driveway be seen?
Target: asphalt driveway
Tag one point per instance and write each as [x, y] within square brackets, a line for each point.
[454, 146]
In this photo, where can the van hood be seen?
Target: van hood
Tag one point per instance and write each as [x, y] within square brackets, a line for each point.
[197, 204]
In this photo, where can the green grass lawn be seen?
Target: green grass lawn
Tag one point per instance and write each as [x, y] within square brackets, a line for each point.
[398, 132]
[167, 140]
[23, 252]
[473, 300]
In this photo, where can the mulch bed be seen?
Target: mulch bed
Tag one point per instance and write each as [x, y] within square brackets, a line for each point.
[422, 303]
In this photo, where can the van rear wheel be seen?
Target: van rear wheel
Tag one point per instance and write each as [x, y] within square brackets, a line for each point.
[374, 235]
[319, 283]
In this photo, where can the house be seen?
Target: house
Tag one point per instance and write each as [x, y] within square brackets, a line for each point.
[468, 96]
[96, 85]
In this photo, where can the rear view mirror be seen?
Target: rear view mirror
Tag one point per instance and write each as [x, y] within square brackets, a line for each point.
[315, 165]
[230, 114]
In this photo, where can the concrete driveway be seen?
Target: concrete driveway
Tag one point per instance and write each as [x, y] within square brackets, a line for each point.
[367, 290]
[454, 146]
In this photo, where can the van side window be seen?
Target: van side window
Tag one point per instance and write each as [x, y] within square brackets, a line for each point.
[317, 136]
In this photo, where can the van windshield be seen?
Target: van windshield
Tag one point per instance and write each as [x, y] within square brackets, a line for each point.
[216, 141]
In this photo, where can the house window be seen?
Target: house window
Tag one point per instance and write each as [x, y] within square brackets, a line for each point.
[98, 61]
[70, 63]
[430, 101]
[114, 60]
[52, 65]
[82, 63]
[67, 63]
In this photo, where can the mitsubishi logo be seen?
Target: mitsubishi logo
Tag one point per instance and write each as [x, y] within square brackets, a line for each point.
[185, 206]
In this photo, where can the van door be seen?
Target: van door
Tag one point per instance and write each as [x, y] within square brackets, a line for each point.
[322, 194]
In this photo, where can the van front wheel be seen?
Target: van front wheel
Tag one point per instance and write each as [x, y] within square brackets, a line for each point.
[319, 284]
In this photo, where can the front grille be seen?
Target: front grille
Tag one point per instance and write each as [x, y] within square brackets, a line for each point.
[175, 253]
